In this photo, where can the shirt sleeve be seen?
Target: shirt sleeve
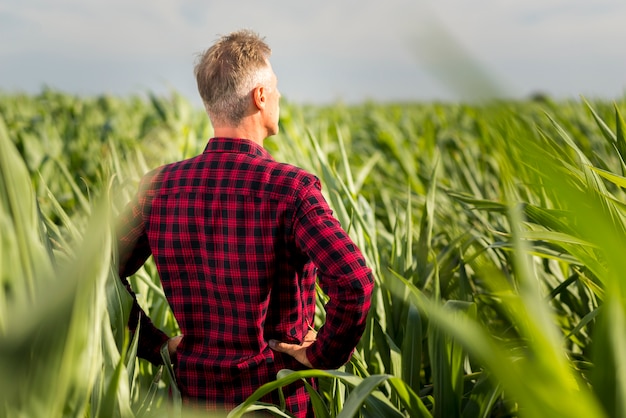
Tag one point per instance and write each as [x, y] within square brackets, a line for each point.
[342, 274]
[133, 251]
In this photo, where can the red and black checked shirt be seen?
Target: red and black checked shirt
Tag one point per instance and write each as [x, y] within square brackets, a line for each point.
[238, 240]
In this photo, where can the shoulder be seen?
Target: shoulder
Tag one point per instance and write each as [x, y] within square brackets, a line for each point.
[153, 179]
[156, 177]
[283, 174]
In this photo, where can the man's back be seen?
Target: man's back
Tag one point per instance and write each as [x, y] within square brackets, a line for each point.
[219, 226]
[234, 235]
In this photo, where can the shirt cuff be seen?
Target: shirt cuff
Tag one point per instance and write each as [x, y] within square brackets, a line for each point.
[318, 361]
[151, 339]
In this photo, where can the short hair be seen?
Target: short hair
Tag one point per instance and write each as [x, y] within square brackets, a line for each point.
[228, 71]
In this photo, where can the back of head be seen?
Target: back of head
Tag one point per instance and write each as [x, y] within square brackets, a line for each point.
[228, 71]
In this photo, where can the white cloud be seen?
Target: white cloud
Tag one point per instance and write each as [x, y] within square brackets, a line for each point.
[112, 27]
[534, 27]
[353, 49]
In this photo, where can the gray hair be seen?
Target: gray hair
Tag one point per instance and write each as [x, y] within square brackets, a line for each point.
[227, 72]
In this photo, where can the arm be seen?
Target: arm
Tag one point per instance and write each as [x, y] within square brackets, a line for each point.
[133, 251]
[343, 276]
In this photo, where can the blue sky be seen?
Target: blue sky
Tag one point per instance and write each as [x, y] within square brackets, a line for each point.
[324, 51]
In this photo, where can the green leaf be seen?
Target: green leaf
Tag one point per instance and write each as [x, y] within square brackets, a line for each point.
[609, 371]
[375, 401]
[412, 349]
[620, 136]
[411, 401]
[613, 178]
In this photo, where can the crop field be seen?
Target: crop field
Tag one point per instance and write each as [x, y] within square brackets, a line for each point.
[496, 233]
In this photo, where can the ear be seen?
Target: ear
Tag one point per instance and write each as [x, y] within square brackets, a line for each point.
[259, 97]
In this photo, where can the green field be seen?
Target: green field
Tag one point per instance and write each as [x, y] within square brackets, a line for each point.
[496, 233]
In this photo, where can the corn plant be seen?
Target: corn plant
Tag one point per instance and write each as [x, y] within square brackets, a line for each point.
[493, 232]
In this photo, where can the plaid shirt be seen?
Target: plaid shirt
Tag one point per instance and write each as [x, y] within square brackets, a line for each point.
[239, 240]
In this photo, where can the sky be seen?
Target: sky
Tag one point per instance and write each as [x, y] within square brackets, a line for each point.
[323, 52]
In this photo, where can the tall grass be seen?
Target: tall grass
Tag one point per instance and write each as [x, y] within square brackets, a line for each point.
[494, 233]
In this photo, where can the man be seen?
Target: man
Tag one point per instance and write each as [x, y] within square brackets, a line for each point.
[239, 240]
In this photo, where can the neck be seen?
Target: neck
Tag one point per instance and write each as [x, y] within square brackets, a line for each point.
[250, 127]
[238, 132]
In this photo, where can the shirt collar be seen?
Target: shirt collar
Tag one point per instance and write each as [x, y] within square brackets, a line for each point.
[237, 145]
